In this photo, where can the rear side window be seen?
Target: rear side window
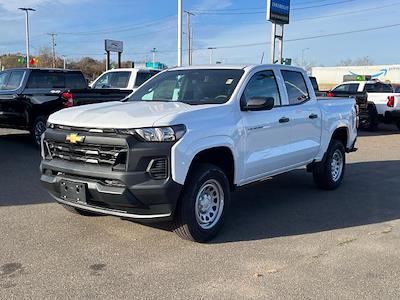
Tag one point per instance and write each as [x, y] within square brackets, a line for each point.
[378, 88]
[142, 77]
[263, 84]
[296, 87]
[15, 80]
[348, 88]
[3, 79]
[46, 80]
[75, 81]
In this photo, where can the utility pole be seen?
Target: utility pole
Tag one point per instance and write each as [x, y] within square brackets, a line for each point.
[27, 10]
[53, 40]
[180, 33]
[302, 56]
[189, 35]
[154, 51]
[211, 50]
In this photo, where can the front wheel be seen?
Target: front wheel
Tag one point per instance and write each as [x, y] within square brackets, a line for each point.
[203, 204]
[37, 129]
[328, 174]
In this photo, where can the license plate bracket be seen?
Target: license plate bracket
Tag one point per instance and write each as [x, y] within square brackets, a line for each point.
[73, 191]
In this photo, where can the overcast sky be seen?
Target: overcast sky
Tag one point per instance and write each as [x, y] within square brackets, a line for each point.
[82, 26]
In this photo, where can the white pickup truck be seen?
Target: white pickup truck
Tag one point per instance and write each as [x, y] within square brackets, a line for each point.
[383, 102]
[178, 146]
[123, 79]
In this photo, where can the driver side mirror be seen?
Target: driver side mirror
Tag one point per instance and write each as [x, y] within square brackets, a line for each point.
[258, 104]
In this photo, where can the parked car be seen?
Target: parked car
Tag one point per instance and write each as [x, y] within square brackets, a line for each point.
[383, 102]
[188, 137]
[123, 79]
[29, 96]
[113, 85]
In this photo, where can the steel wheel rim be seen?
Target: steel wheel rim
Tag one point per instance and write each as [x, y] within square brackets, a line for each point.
[40, 128]
[337, 165]
[209, 204]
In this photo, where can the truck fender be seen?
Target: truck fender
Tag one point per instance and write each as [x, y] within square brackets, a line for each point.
[182, 154]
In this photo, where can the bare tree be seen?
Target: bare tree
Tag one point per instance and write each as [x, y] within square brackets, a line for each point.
[362, 61]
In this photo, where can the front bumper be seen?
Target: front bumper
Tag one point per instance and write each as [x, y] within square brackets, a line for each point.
[127, 190]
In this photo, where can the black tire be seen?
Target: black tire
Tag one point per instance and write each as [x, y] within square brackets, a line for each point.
[38, 127]
[373, 120]
[204, 177]
[398, 125]
[81, 212]
[324, 173]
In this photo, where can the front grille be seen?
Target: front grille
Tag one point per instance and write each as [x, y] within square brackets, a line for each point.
[109, 155]
[84, 129]
[158, 168]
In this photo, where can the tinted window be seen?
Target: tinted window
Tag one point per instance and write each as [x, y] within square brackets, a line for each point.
[15, 80]
[378, 88]
[142, 77]
[296, 87]
[3, 79]
[118, 80]
[75, 81]
[46, 80]
[190, 86]
[348, 88]
[263, 84]
[353, 87]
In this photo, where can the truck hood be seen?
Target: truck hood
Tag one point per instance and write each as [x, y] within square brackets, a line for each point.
[119, 114]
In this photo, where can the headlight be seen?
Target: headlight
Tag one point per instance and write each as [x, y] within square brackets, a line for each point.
[157, 134]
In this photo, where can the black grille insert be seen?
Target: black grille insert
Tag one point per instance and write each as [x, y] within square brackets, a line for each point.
[88, 153]
[158, 168]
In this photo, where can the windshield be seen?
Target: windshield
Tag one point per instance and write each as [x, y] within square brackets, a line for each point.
[190, 86]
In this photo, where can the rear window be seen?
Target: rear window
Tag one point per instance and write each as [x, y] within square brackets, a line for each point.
[50, 80]
[296, 87]
[15, 80]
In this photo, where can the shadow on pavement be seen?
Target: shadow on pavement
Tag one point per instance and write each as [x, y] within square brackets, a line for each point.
[384, 129]
[290, 204]
[19, 171]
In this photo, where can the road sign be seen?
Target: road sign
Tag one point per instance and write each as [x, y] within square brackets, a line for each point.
[114, 46]
[278, 11]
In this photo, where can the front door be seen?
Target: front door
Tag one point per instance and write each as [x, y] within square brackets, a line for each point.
[268, 135]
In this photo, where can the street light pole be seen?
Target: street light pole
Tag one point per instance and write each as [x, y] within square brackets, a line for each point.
[211, 54]
[27, 10]
[53, 47]
[180, 33]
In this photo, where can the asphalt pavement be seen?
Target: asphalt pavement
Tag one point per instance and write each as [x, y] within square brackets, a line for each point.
[283, 239]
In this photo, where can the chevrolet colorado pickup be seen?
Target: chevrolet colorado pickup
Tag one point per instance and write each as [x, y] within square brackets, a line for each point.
[179, 145]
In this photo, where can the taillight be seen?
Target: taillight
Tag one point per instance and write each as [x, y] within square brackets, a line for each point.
[390, 102]
[69, 99]
[330, 94]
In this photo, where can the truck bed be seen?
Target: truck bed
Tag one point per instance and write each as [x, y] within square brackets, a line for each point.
[91, 96]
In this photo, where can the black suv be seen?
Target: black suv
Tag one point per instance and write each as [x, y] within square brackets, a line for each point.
[29, 96]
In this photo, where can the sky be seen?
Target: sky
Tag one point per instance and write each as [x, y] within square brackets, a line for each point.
[236, 28]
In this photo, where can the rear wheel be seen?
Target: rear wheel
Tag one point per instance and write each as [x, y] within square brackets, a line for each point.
[373, 120]
[328, 174]
[203, 204]
[37, 129]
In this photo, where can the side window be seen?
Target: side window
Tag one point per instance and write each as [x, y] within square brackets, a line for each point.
[103, 82]
[15, 80]
[296, 87]
[120, 79]
[263, 84]
[142, 77]
[341, 88]
[3, 79]
[353, 87]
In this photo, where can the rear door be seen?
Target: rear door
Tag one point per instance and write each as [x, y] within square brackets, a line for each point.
[304, 114]
[268, 135]
[12, 106]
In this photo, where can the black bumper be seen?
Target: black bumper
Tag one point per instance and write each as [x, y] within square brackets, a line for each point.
[393, 116]
[127, 190]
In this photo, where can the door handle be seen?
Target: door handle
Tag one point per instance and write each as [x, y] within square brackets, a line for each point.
[313, 116]
[284, 120]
